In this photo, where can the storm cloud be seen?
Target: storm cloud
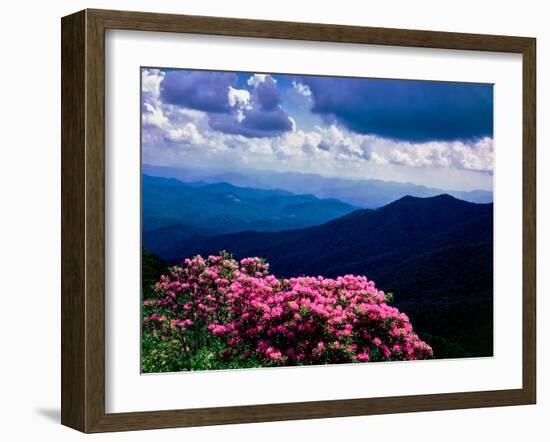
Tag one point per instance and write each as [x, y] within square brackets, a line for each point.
[203, 91]
[406, 110]
[256, 113]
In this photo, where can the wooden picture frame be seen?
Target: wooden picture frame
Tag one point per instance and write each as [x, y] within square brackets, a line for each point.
[83, 220]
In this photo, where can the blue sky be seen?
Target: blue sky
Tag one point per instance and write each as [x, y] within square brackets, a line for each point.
[438, 134]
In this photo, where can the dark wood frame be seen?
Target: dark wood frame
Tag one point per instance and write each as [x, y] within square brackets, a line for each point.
[83, 216]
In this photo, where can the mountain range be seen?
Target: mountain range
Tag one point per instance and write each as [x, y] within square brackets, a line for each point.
[435, 254]
[367, 193]
[173, 211]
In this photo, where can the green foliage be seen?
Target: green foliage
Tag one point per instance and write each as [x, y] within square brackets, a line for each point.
[159, 355]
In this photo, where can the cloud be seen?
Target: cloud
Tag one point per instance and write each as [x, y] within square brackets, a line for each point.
[401, 158]
[477, 156]
[299, 98]
[238, 97]
[302, 89]
[340, 145]
[253, 123]
[292, 123]
[254, 130]
[330, 151]
[150, 81]
[253, 113]
[266, 95]
[187, 133]
[333, 139]
[257, 114]
[166, 123]
[415, 111]
[256, 79]
[199, 90]
[154, 116]
[473, 156]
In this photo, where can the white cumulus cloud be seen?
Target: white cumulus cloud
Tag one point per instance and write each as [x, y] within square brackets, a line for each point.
[302, 89]
[256, 79]
[238, 97]
[154, 116]
[151, 80]
[187, 133]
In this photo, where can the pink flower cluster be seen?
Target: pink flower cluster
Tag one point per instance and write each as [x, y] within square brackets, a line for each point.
[296, 321]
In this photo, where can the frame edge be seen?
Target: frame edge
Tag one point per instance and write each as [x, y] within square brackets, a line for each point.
[73, 207]
[83, 334]
[529, 221]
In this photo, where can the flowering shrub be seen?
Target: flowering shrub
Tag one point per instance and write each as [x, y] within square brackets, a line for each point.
[220, 313]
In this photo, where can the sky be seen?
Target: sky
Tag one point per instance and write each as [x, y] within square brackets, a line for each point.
[438, 134]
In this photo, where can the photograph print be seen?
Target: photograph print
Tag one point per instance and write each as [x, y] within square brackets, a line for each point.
[297, 220]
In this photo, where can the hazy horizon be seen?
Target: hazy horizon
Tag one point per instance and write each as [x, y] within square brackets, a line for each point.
[209, 173]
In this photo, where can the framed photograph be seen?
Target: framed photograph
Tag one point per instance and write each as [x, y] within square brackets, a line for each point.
[267, 221]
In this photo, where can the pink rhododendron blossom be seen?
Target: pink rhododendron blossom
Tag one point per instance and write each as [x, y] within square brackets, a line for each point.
[255, 316]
